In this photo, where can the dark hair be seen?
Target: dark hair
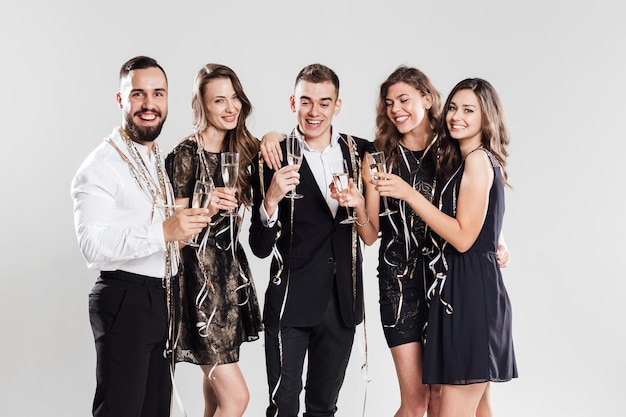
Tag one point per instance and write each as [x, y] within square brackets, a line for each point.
[494, 133]
[140, 62]
[387, 137]
[318, 73]
[238, 139]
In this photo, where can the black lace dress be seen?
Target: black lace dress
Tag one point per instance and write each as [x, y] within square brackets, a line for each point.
[469, 338]
[219, 309]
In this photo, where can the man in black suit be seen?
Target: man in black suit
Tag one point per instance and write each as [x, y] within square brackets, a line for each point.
[314, 299]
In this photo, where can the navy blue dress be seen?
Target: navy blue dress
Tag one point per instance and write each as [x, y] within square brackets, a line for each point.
[468, 336]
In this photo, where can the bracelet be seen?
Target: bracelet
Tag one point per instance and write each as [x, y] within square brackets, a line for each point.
[367, 213]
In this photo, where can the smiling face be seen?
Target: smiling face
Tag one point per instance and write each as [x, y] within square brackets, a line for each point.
[222, 104]
[143, 100]
[315, 104]
[464, 118]
[406, 107]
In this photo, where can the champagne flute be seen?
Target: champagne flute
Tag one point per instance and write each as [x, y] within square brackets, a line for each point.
[230, 171]
[376, 162]
[201, 197]
[294, 157]
[339, 169]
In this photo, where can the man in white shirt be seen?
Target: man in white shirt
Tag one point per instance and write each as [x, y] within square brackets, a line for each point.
[127, 228]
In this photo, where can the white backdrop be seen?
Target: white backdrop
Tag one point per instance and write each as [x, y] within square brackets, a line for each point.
[555, 63]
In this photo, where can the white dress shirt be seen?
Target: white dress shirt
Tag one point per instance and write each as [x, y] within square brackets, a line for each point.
[319, 164]
[113, 216]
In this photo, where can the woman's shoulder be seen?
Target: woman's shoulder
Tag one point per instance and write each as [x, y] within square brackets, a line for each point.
[484, 157]
[187, 145]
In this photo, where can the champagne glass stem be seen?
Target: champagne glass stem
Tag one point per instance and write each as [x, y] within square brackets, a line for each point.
[386, 204]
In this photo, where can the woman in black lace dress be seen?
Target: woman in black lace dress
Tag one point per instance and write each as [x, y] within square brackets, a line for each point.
[219, 303]
[408, 111]
[468, 339]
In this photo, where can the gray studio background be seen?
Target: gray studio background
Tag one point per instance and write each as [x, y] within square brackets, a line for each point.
[558, 66]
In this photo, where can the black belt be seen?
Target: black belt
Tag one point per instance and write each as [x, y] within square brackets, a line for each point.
[139, 279]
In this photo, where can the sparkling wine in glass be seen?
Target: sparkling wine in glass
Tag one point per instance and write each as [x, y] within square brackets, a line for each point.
[201, 197]
[376, 162]
[294, 157]
[339, 169]
[230, 170]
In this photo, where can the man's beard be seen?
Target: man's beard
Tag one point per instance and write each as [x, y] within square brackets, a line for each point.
[147, 134]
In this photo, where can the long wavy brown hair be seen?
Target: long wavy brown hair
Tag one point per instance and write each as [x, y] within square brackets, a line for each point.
[494, 133]
[237, 140]
[387, 137]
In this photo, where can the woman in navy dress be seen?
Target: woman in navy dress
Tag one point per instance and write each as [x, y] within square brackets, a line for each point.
[468, 338]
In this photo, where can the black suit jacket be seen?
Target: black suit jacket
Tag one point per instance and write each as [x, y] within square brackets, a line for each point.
[313, 251]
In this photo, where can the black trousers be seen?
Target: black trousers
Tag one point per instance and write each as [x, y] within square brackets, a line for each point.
[328, 345]
[128, 317]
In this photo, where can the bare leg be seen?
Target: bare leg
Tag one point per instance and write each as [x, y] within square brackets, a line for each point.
[230, 390]
[434, 403]
[210, 400]
[484, 406]
[413, 394]
[461, 400]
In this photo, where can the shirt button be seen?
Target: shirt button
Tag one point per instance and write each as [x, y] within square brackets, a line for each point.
[330, 260]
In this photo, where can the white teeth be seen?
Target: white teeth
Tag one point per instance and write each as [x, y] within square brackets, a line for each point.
[148, 117]
[457, 127]
[401, 119]
[314, 122]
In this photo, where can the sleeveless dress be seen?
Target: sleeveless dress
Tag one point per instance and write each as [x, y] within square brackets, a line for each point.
[403, 273]
[469, 337]
[219, 308]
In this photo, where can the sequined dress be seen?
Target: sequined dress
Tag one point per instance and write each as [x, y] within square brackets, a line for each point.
[469, 337]
[403, 274]
[219, 308]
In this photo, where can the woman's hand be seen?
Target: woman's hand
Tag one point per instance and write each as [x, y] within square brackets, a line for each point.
[222, 198]
[502, 254]
[270, 149]
[351, 198]
[391, 185]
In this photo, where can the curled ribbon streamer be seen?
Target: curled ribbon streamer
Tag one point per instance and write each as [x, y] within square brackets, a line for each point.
[246, 285]
[202, 294]
[276, 280]
[220, 232]
[356, 169]
[280, 341]
[179, 401]
[282, 308]
[399, 307]
[440, 278]
[365, 366]
[210, 375]
[204, 326]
